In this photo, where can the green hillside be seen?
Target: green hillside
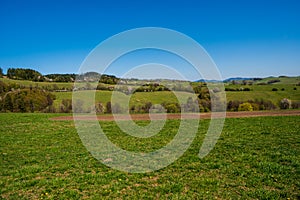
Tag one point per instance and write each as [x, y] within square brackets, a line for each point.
[282, 80]
[290, 91]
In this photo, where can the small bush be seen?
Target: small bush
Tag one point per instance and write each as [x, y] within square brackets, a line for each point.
[285, 104]
[230, 89]
[172, 107]
[233, 105]
[245, 107]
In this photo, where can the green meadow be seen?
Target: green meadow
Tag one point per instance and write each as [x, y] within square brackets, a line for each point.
[255, 158]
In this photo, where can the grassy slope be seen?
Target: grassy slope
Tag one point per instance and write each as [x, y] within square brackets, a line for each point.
[39, 84]
[265, 92]
[283, 80]
[255, 158]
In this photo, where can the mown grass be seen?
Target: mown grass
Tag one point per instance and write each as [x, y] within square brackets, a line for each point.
[255, 158]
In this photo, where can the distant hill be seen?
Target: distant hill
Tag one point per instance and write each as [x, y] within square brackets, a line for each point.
[226, 80]
[207, 81]
[35, 76]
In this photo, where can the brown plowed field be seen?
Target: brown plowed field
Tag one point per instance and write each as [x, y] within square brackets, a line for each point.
[184, 116]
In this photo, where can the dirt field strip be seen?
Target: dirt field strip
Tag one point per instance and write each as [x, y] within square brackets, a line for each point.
[183, 116]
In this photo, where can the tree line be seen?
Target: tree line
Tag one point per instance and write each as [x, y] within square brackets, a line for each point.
[33, 75]
[17, 99]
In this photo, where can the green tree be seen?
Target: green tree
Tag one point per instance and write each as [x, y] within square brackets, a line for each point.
[8, 103]
[1, 72]
[108, 107]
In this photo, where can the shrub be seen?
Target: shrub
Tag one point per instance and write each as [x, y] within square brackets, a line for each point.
[273, 81]
[191, 105]
[116, 108]
[108, 107]
[147, 107]
[245, 107]
[285, 104]
[172, 107]
[204, 105]
[66, 106]
[99, 108]
[296, 105]
[230, 89]
[233, 105]
[262, 104]
[255, 106]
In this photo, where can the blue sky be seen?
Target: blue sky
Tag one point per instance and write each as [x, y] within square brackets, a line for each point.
[244, 38]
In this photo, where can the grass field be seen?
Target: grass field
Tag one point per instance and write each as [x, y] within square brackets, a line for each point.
[139, 98]
[255, 158]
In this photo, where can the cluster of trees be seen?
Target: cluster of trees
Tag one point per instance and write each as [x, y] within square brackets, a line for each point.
[109, 79]
[250, 105]
[33, 75]
[237, 89]
[261, 104]
[24, 74]
[60, 77]
[242, 82]
[88, 77]
[24, 100]
[151, 87]
[273, 81]
[108, 108]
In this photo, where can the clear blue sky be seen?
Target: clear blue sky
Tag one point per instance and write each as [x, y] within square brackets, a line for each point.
[244, 38]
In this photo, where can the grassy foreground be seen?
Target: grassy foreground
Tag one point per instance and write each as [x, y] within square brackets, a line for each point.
[255, 158]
